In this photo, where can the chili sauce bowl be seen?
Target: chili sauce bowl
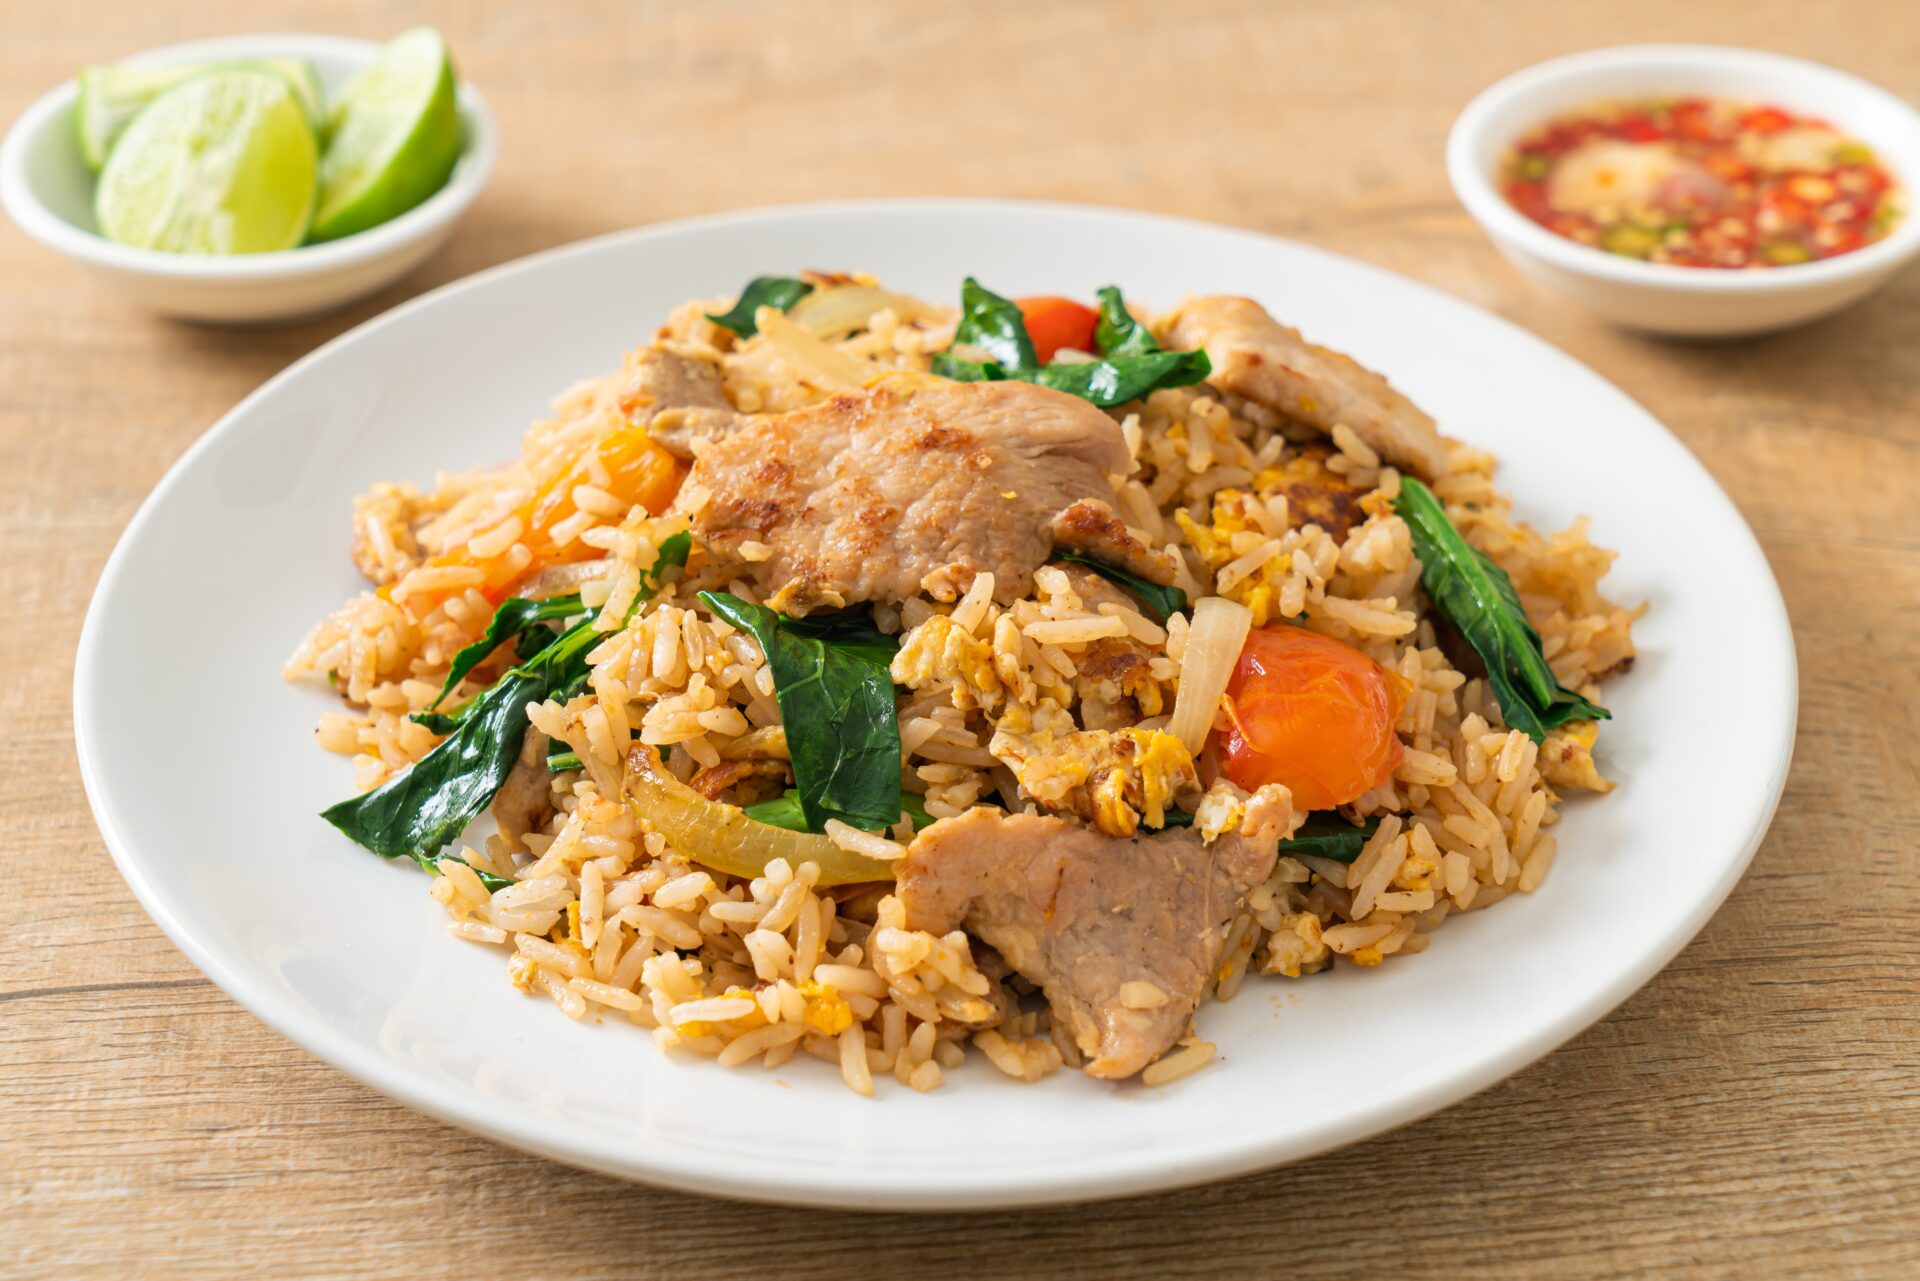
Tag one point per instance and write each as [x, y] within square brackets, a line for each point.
[1663, 298]
[46, 188]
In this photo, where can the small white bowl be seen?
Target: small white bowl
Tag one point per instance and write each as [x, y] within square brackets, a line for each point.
[1660, 297]
[47, 189]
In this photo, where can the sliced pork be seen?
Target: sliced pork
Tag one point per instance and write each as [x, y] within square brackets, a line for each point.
[677, 398]
[1090, 528]
[1256, 356]
[1124, 936]
[880, 495]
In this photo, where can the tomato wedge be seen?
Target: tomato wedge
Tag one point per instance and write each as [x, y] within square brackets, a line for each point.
[1054, 323]
[1311, 713]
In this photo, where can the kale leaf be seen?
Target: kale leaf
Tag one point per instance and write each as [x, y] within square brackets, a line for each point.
[836, 699]
[421, 809]
[1328, 834]
[1480, 601]
[1131, 363]
[517, 618]
[779, 292]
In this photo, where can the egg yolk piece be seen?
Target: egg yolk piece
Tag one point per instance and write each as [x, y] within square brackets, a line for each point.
[1313, 714]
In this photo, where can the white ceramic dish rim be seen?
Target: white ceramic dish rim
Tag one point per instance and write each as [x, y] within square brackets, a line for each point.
[730, 1173]
[479, 151]
[1475, 190]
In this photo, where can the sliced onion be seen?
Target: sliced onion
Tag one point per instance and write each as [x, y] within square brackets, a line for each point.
[721, 836]
[1214, 640]
[813, 361]
[558, 580]
[840, 310]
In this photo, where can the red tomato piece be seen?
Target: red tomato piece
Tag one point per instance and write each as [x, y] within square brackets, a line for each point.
[1311, 713]
[1054, 323]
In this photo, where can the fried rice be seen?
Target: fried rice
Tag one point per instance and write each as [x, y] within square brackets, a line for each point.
[602, 916]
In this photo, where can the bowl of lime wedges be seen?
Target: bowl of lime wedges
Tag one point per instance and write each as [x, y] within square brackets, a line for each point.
[252, 178]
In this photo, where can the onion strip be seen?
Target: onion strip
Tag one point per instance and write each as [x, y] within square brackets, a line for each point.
[813, 361]
[839, 310]
[1219, 630]
[721, 836]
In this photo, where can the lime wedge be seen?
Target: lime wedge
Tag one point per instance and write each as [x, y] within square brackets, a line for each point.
[222, 163]
[110, 97]
[393, 137]
[305, 79]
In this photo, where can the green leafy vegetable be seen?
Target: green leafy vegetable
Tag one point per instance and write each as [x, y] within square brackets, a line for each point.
[1163, 601]
[563, 760]
[784, 811]
[1479, 599]
[1328, 834]
[422, 808]
[1131, 362]
[836, 699]
[779, 292]
[518, 618]
[1118, 333]
[419, 810]
[995, 326]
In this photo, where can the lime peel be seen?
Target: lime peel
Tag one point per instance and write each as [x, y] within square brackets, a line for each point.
[393, 137]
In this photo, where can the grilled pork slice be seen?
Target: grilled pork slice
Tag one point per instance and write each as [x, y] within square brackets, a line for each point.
[894, 491]
[1256, 356]
[1124, 936]
[1090, 528]
[678, 399]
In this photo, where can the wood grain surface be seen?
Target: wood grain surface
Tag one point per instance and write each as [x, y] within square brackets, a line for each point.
[1753, 1112]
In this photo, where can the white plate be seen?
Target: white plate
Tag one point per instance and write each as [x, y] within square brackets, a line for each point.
[202, 771]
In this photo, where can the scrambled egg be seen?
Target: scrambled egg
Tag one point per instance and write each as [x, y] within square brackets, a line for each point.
[1315, 496]
[1226, 808]
[1566, 757]
[1318, 495]
[1295, 948]
[1416, 872]
[941, 649]
[827, 1011]
[1114, 778]
[1231, 535]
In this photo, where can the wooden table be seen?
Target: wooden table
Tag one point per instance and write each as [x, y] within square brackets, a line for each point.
[1754, 1112]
